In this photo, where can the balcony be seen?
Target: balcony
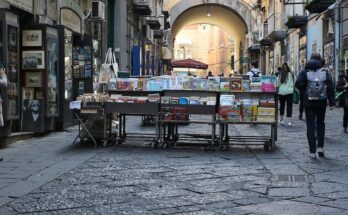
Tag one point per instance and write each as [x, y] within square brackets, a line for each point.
[153, 22]
[255, 48]
[275, 28]
[296, 21]
[264, 39]
[318, 6]
[142, 7]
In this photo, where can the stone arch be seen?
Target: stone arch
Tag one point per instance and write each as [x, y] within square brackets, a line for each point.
[243, 10]
[222, 16]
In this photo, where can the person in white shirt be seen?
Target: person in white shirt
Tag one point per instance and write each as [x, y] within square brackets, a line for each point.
[254, 72]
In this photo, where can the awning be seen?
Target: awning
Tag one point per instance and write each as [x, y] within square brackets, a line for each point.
[189, 63]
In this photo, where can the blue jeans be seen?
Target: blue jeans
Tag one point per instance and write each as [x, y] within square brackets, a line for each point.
[315, 119]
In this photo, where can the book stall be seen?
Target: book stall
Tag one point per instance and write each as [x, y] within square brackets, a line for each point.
[172, 99]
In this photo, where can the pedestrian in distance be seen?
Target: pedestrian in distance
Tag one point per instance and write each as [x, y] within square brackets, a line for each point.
[317, 84]
[342, 87]
[254, 73]
[210, 74]
[285, 83]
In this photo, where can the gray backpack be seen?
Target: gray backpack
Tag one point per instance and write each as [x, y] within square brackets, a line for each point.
[317, 88]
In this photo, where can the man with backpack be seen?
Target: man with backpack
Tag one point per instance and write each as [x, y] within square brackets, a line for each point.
[254, 73]
[317, 86]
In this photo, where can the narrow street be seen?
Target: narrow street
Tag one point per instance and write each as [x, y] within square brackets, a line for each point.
[49, 175]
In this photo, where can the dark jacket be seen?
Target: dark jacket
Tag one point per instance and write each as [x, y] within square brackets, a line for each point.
[341, 86]
[302, 82]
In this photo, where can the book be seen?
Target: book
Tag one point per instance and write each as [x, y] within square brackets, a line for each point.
[236, 84]
[227, 100]
[224, 84]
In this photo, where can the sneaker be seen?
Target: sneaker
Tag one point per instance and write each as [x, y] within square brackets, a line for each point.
[282, 122]
[289, 124]
[312, 155]
[320, 152]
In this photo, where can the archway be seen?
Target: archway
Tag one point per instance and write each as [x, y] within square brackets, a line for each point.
[221, 16]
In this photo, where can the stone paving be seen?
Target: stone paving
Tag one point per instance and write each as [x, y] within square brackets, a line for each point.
[48, 175]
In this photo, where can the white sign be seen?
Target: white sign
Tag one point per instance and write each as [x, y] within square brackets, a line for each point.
[75, 105]
[23, 4]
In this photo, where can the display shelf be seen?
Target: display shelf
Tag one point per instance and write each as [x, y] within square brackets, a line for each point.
[134, 93]
[132, 108]
[193, 109]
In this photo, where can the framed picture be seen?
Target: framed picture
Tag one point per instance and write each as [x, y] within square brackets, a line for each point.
[33, 79]
[31, 38]
[27, 93]
[33, 60]
[39, 95]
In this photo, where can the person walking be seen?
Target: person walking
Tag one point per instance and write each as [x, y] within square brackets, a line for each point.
[254, 72]
[317, 84]
[301, 105]
[342, 86]
[285, 83]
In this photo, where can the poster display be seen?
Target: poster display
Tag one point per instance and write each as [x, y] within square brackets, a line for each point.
[82, 62]
[12, 77]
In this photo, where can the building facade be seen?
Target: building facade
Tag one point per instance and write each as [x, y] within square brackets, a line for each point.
[51, 51]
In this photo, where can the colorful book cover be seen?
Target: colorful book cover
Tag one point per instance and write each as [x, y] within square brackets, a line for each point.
[224, 84]
[236, 84]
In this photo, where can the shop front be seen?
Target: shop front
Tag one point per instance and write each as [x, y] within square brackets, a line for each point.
[329, 43]
[9, 60]
[76, 64]
[39, 78]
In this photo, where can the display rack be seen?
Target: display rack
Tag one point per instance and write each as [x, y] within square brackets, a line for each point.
[251, 102]
[122, 110]
[168, 126]
[268, 141]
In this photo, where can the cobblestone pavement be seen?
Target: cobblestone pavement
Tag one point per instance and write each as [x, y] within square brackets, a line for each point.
[48, 175]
